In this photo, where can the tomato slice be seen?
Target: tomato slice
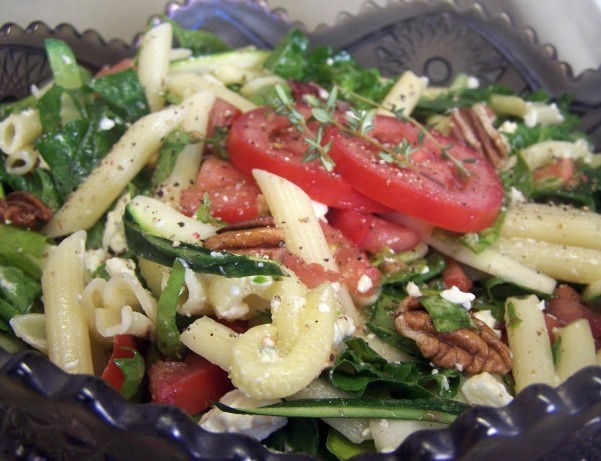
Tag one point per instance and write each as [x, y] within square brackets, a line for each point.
[371, 233]
[191, 385]
[356, 270]
[431, 187]
[233, 194]
[123, 347]
[264, 140]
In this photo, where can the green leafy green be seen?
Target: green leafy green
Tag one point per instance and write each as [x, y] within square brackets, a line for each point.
[288, 57]
[381, 321]
[446, 316]
[39, 182]
[359, 368]
[299, 435]
[22, 249]
[200, 42]
[123, 93]
[172, 147]
[133, 373]
[167, 334]
[18, 289]
[73, 152]
[65, 70]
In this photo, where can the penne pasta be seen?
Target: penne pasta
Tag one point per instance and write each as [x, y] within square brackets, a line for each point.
[529, 342]
[404, 95]
[153, 63]
[562, 225]
[561, 262]
[19, 130]
[576, 349]
[69, 344]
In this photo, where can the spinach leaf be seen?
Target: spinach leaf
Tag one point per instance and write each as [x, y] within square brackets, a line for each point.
[447, 316]
[22, 249]
[381, 322]
[39, 182]
[172, 147]
[167, 334]
[359, 368]
[299, 435]
[123, 93]
[133, 373]
[288, 58]
[75, 150]
[200, 42]
[18, 289]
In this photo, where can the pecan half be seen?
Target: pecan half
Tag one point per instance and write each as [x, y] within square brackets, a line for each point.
[258, 234]
[474, 127]
[472, 351]
[23, 209]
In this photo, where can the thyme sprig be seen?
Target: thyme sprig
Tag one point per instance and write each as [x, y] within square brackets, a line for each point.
[314, 140]
[357, 123]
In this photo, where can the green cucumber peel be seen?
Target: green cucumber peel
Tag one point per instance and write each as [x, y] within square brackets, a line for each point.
[434, 410]
[199, 259]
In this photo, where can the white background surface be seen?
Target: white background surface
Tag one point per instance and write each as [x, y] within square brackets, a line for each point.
[573, 27]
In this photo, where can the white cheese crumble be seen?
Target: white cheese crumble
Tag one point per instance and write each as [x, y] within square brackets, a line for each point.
[115, 266]
[413, 290]
[321, 210]
[344, 327]
[487, 317]
[485, 389]
[456, 296]
[364, 284]
[255, 426]
[542, 114]
[516, 196]
[508, 127]
[106, 124]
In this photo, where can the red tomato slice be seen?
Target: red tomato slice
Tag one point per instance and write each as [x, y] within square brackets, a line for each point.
[123, 347]
[453, 275]
[358, 273]
[191, 385]
[433, 188]
[221, 117]
[233, 194]
[263, 140]
[371, 233]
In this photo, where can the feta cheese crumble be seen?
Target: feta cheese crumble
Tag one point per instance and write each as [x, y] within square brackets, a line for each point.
[456, 296]
[485, 389]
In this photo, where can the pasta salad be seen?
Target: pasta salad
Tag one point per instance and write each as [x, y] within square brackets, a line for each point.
[282, 242]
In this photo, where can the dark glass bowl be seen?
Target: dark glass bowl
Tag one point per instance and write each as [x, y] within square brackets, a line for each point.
[46, 414]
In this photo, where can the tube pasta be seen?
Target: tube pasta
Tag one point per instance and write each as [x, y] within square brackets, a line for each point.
[19, 130]
[66, 327]
[529, 342]
[230, 298]
[294, 212]
[404, 95]
[22, 161]
[542, 153]
[96, 194]
[562, 225]
[153, 63]
[388, 434]
[211, 340]
[562, 262]
[257, 367]
[31, 328]
[183, 85]
[188, 161]
[495, 263]
[576, 349]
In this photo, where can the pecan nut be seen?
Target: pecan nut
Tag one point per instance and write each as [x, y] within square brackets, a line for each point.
[474, 126]
[258, 234]
[23, 209]
[469, 350]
